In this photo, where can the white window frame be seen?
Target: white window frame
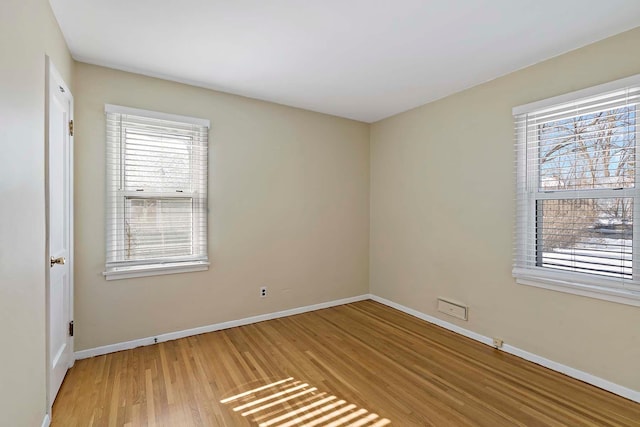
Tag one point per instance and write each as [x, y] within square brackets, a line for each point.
[583, 284]
[159, 266]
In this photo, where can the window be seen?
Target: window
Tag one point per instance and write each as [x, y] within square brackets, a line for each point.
[156, 207]
[577, 198]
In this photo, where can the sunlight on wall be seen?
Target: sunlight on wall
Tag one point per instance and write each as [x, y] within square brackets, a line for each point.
[289, 402]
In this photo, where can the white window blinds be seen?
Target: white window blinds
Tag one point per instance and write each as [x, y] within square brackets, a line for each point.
[156, 207]
[577, 200]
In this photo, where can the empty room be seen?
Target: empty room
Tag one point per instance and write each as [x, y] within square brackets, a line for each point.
[319, 213]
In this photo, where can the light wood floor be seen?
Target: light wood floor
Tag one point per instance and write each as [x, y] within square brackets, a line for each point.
[361, 364]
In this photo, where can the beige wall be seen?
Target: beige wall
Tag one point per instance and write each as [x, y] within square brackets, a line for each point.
[289, 209]
[442, 205]
[28, 31]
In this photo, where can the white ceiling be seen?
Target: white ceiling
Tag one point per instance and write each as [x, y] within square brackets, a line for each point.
[361, 59]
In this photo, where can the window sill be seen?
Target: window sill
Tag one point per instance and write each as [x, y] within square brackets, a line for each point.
[118, 273]
[621, 296]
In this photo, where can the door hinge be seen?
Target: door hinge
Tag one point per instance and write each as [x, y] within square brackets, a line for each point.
[71, 328]
[71, 127]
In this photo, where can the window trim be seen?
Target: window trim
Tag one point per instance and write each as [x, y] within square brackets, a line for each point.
[154, 267]
[576, 283]
[576, 95]
[110, 108]
[621, 296]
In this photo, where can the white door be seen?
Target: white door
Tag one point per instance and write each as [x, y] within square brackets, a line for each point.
[60, 214]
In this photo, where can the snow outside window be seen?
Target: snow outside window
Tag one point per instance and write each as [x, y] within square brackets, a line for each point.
[577, 198]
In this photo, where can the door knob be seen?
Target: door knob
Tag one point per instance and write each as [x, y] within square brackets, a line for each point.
[59, 260]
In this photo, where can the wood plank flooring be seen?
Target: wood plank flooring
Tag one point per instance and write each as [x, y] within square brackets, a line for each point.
[361, 364]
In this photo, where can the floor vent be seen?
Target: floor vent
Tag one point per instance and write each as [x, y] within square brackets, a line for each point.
[454, 309]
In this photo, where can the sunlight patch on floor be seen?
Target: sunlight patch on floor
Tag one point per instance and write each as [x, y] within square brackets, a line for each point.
[287, 403]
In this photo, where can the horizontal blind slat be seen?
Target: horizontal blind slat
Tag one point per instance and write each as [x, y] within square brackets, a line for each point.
[569, 161]
[150, 162]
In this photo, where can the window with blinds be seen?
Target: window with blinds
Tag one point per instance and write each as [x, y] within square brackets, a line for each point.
[156, 207]
[577, 200]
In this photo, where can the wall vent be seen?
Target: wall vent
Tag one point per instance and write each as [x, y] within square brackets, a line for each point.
[454, 309]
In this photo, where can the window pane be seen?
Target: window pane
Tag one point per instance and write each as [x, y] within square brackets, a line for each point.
[586, 235]
[156, 160]
[588, 151]
[156, 228]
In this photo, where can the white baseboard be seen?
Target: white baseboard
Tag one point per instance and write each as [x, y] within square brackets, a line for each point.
[98, 351]
[443, 323]
[559, 367]
[567, 370]
[574, 373]
[46, 422]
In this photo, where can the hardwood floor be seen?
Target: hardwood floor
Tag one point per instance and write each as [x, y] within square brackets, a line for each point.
[360, 364]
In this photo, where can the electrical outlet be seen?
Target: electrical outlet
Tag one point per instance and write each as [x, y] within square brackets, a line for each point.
[497, 342]
[263, 292]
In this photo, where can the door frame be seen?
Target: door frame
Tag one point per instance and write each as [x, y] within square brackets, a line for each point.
[51, 73]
